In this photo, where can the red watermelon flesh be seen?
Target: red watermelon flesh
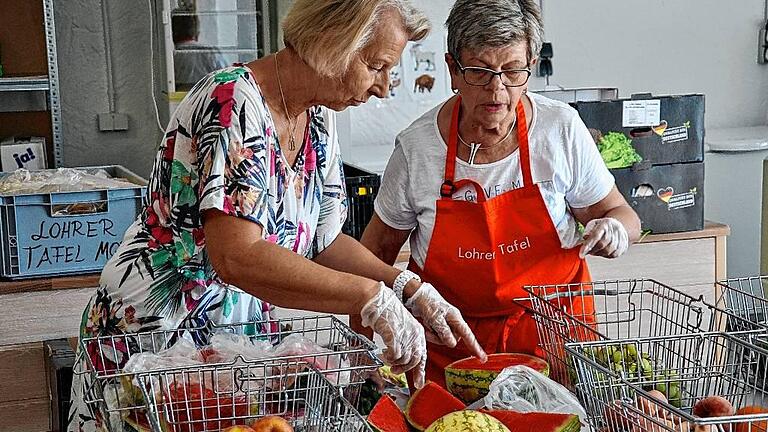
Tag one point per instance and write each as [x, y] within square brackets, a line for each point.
[536, 421]
[387, 417]
[429, 403]
[500, 361]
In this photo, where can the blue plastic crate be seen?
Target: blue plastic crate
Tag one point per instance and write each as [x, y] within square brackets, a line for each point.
[42, 237]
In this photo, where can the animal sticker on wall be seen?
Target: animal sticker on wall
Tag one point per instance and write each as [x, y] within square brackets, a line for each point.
[422, 59]
[424, 83]
[395, 80]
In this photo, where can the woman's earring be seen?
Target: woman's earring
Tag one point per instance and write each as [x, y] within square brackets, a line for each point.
[455, 90]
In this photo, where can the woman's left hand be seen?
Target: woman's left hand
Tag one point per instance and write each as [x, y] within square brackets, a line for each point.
[604, 237]
[442, 321]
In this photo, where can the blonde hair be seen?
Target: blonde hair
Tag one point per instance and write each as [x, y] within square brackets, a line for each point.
[327, 34]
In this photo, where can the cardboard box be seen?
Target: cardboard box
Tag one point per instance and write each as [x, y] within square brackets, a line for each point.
[28, 153]
[664, 130]
[668, 198]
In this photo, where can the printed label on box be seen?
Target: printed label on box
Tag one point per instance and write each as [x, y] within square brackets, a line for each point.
[681, 201]
[676, 134]
[640, 113]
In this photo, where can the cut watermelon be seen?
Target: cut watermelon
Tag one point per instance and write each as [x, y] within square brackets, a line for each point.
[536, 421]
[469, 379]
[428, 404]
[387, 417]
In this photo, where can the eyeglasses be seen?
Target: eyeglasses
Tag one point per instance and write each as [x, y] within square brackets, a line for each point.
[480, 76]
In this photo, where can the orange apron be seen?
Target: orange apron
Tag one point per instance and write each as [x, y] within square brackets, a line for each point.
[482, 253]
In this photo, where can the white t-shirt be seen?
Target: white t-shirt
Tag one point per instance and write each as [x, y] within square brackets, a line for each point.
[565, 163]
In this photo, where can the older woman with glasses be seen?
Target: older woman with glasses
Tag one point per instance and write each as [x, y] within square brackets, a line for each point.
[492, 185]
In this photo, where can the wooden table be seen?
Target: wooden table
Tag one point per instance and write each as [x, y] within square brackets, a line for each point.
[33, 311]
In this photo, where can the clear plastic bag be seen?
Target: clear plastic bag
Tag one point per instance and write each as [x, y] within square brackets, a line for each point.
[321, 358]
[226, 347]
[522, 389]
[23, 181]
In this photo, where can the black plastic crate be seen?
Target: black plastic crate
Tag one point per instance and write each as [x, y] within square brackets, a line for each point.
[60, 360]
[362, 187]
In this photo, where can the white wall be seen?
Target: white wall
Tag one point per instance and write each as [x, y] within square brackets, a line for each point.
[658, 46]
[665, 46]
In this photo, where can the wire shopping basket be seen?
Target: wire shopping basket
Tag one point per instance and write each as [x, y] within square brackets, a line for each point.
[605, 310]
[620, 382]
[347, 358]
[208, 399]
[748, 299]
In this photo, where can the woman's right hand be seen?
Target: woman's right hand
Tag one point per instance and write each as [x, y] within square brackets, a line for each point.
[402, 334]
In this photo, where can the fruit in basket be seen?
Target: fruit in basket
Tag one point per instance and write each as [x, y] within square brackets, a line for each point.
[757, 426]
[619, 418]
[536, 421]
[467, 421]
[387, 417]
[469, 379]
[238, 428]
[428, 404]
[196, 408]
[271, 424]
[713, 406]
[647, 405]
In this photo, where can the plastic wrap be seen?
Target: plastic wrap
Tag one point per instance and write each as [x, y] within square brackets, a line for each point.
[321, 358]
[22, 181]
[183, 353]
[522, 389]
[226, 348]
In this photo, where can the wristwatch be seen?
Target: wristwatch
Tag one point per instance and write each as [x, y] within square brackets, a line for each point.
[401, 280]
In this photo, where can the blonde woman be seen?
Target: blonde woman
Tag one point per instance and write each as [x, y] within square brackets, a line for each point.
[246, 199]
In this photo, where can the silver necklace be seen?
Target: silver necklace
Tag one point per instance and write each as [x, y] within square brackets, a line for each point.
[475, 147]
[291, 125]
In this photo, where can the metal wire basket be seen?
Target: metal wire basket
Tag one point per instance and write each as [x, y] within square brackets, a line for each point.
[748, 299]
[203, 399]
[114, 393]
[608, 310]
[688, 368]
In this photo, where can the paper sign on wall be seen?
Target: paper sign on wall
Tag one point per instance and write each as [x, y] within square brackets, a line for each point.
[639, 113]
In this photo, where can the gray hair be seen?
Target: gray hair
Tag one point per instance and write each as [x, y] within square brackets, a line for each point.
[478, 24]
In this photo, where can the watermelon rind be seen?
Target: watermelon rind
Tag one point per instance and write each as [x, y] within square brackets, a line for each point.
[536, 421]
[469, 380]
[467, 421]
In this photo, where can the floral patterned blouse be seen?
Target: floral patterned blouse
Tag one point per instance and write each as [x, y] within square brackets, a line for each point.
[220, 151]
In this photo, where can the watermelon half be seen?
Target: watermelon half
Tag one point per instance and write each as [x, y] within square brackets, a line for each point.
[469, 379]
[536, 421]
[387, 417]
[428, 404]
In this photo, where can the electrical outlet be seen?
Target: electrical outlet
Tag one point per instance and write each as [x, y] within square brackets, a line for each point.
[105, 122]
[109, 122]
[120, 122]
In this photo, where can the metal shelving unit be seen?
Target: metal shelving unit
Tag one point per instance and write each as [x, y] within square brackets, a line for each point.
[41, 83]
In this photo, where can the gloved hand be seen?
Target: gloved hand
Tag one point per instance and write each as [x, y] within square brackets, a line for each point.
[443, 322]
[604, 237]
[402, 334]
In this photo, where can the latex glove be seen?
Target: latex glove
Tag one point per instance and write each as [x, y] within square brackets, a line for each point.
[443, 322]
[604, 237]
[402, 334]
